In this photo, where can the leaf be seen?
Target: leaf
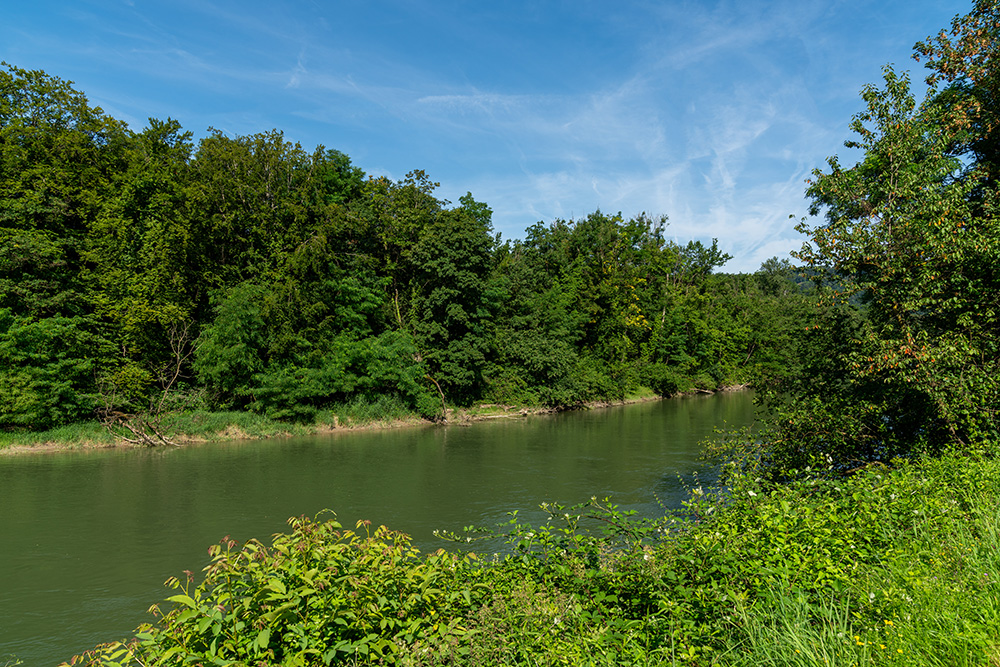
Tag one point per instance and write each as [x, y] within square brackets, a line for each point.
[183, 599]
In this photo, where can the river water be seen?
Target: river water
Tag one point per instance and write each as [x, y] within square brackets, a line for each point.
[87, 538]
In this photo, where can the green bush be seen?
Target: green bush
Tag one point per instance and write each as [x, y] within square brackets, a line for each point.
[886, 567]
[48, 368]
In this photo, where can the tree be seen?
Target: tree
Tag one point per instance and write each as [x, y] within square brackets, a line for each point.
[48, 371]
[911, 234]
[452, 304]
[140, 255]
[59, 157]
[963, 62]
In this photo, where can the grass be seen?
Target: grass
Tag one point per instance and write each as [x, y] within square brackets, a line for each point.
[69, 437]
[361, 411]
[228, 425]
[641, 394]
[221, 425]
[930, 595]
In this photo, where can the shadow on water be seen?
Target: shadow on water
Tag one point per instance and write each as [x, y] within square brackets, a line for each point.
[88, 538]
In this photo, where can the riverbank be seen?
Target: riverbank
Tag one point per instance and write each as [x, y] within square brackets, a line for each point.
[895, 567]
[201, 426]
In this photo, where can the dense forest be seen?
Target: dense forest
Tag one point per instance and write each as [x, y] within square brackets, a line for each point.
[144, 272]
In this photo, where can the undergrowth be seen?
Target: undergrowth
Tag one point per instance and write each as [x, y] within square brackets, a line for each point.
[897, 567]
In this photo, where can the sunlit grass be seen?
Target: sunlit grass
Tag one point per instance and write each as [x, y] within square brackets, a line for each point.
[361, 411]
[70, 436]
[933, 599]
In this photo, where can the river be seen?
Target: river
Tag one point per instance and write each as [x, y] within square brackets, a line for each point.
[87, 538]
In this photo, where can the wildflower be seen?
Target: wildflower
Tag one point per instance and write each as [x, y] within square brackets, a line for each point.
[751, 494]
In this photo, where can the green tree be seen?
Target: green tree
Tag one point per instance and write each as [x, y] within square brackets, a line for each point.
[141, 259]
[905, 354]
[48, 371]
[452, 298]
[911, 237]
[59, 158]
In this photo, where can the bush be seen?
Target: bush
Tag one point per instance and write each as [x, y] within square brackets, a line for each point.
[894, 568]
[665, 380]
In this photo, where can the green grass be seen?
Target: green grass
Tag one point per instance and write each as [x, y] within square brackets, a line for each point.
[641, 394]
[221, 425]
[212, 425]
[361, 411]
[71, 436]
[926, 593]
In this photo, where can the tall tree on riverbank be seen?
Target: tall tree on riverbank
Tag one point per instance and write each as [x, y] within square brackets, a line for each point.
[911, 236]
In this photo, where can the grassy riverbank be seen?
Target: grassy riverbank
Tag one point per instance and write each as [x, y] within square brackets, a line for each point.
[897, 567]
[206, 426]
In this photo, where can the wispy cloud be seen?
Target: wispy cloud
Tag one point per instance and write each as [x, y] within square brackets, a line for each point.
[712, 113]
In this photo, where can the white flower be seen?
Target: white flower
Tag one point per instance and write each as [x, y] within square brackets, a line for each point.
[751, 494]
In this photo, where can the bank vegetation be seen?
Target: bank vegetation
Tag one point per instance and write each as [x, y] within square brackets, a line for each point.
[858, 525]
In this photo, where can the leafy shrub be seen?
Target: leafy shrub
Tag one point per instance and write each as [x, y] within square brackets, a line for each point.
[890, 568]
[665, 380]
[48, 371]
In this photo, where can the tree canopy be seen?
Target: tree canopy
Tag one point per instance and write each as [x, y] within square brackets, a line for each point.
[906, 356]
[143, 269]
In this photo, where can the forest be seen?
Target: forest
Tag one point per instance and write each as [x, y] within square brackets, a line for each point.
[142, 272]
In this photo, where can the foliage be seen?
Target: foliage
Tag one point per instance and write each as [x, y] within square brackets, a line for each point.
[248, 273]
[888, 567]
[905, 233]
[48, 376]
[451, 298]
[902, 356]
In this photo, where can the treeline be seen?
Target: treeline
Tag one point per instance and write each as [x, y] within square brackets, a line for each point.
[140, 271]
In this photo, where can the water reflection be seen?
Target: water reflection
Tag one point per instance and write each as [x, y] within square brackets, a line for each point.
[88, 538]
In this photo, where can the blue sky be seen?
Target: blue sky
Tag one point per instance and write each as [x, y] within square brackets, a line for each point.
[712, 113]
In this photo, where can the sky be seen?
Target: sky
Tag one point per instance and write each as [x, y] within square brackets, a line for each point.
[712, 113]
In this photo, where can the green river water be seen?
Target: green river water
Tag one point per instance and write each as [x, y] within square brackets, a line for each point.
[87, 538]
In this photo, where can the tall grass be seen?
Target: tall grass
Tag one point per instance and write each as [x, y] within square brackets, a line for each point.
[361, 411]
[209, 425]
[204, 424]
[73, 435]
[932, 597]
